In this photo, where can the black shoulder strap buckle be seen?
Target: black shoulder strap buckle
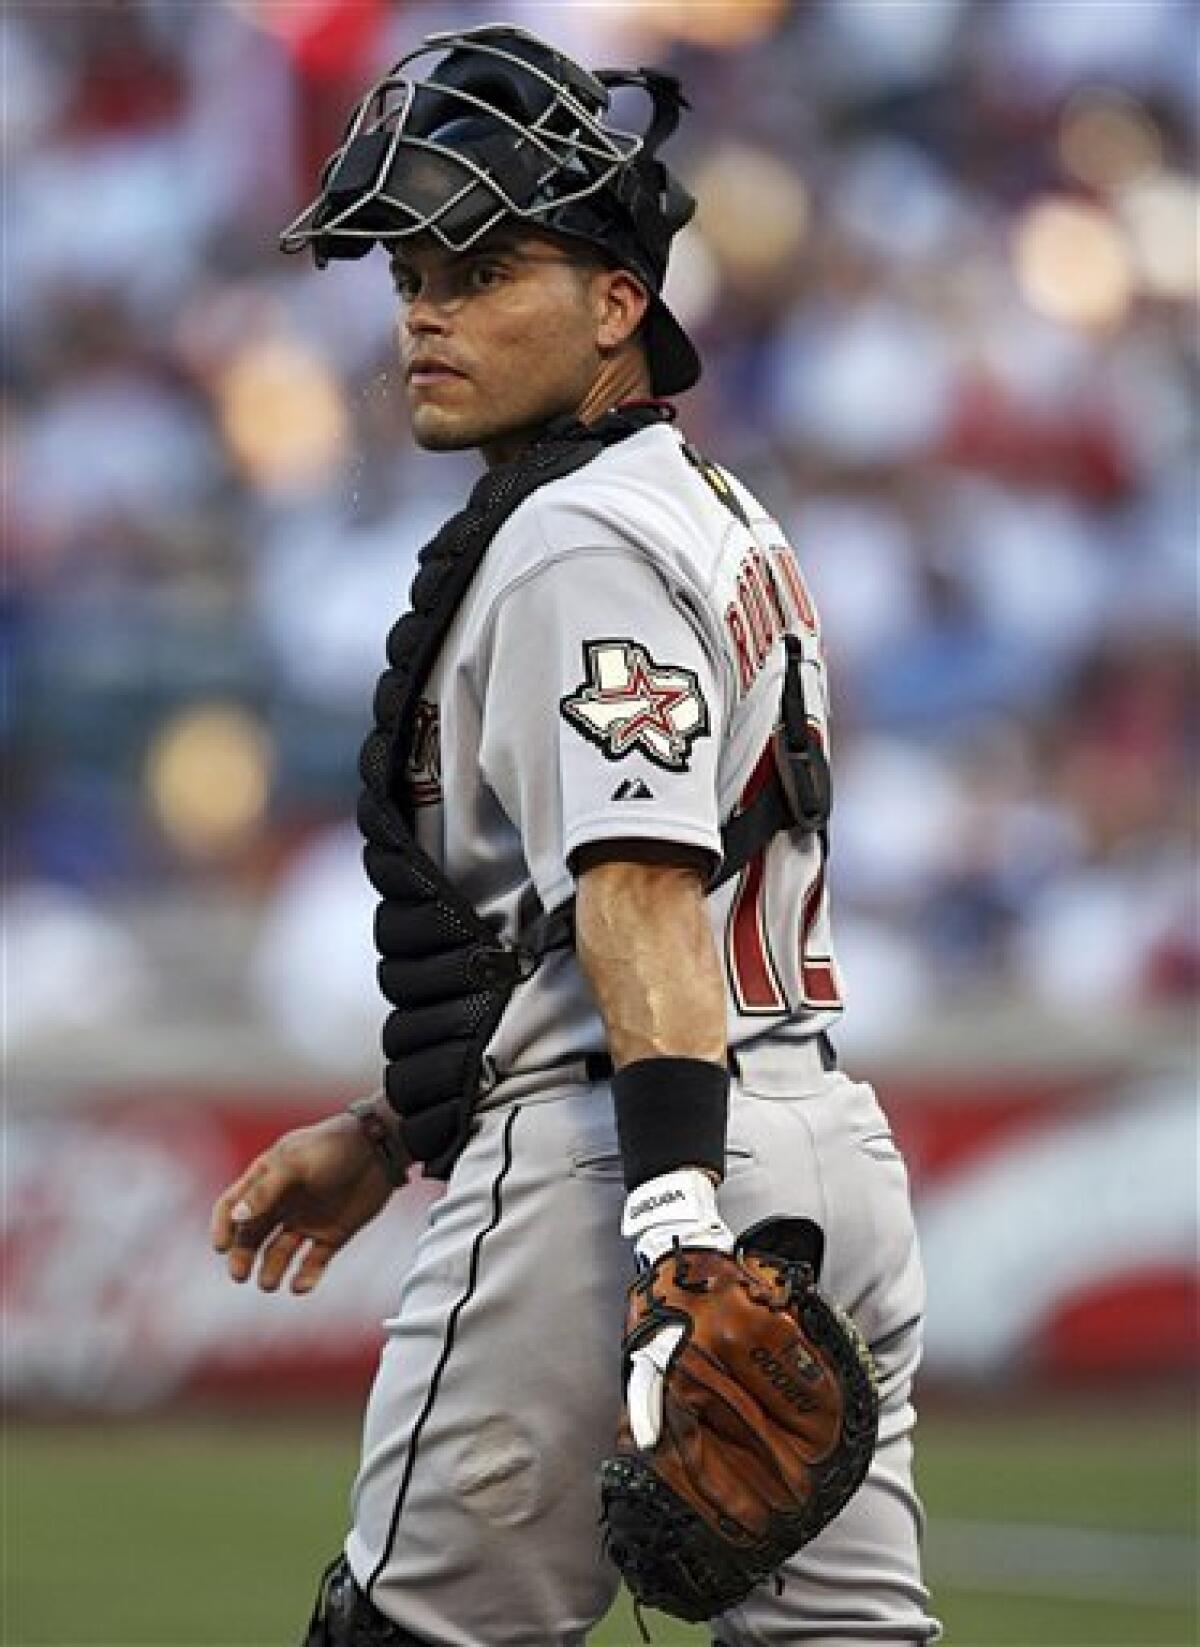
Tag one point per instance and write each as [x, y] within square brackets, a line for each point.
[797, 795]
[800, 758]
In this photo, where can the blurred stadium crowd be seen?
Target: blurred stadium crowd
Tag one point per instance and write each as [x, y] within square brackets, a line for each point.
[944, 276]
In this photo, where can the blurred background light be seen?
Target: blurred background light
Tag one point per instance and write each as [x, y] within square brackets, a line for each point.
[890, 43]
[208, 779]
[1073, 264]
[753, 212]
[283, 415]
[1107, 139]
[872, 383]
[219, 320]
[896, 203]
[35, 88]
[715, 23]
[79, 967]
[1162, 216]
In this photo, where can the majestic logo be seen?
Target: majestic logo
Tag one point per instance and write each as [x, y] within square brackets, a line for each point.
[628, 702]
[632, 789]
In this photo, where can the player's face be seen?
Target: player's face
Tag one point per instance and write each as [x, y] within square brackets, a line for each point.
[496, 341]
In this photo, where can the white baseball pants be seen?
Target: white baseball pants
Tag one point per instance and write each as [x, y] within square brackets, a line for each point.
[475, 1509]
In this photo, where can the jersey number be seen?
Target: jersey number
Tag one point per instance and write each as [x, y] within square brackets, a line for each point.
[758, 989]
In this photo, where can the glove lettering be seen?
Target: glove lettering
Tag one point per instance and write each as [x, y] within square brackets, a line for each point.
[789, 1383]
[653, 1202]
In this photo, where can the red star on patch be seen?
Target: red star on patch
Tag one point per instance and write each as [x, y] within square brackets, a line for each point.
[654, 711]
[629, 702]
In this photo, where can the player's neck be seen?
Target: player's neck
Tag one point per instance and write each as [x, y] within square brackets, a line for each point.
[624, 377]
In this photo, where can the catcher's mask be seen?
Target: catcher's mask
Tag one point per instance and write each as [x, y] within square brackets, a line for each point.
[505, 126]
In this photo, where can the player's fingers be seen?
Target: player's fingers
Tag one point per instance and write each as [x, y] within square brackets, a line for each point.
[245, 1212]
[313, 1266]
[222, 1225]
[277, 1254]
[248, 1238]
[240, 1262]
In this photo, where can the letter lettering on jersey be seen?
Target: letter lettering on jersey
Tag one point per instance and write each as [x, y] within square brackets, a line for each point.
[736, 626]
[755, 980]
[766, 578]
[754, 608]
[789, 571]
[771, 598]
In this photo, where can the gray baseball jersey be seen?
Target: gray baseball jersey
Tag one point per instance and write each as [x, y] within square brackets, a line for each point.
[615, 674]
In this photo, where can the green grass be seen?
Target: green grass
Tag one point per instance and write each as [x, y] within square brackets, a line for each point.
[212, 1534]
[1134, 1470]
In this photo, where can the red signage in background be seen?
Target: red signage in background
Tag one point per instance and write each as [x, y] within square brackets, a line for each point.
[113, 1297]
[326, 39]
[1058, 1226]
[335, 47]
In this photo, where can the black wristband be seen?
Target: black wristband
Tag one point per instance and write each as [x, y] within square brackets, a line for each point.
[671, 1113]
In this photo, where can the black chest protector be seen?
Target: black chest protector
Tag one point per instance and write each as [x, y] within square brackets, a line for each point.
[446, 972]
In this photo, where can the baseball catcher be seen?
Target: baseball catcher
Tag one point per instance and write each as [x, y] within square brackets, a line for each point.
[595, 805]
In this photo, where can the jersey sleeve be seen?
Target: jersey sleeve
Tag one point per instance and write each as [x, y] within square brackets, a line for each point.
[602, 713]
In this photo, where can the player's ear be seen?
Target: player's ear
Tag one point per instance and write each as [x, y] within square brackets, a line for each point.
[621, 302]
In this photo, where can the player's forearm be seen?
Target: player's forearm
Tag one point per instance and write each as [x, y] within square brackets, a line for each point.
[646, 947]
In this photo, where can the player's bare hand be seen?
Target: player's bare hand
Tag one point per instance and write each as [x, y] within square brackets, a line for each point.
[298, 1203]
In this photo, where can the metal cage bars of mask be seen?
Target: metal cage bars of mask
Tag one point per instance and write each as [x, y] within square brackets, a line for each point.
[614, 148]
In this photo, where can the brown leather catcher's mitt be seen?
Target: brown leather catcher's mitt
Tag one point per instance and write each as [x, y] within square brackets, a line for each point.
[769, 1418]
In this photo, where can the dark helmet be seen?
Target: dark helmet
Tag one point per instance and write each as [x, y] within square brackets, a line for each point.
[505, 126]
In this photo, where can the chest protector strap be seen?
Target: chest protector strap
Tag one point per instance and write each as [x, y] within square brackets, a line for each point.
[445, 971]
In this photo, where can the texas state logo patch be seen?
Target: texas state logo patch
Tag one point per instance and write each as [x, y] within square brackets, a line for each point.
[628, 702]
